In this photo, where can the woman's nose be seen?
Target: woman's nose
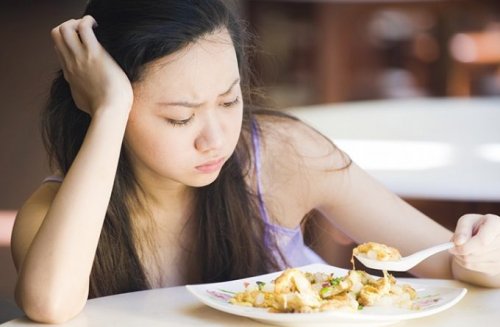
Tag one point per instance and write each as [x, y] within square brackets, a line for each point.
[211, 136]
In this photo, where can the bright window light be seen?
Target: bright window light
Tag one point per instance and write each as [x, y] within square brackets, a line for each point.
[397, 155]
[490, 152]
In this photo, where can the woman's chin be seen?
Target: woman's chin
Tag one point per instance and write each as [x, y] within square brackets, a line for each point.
[204, 180]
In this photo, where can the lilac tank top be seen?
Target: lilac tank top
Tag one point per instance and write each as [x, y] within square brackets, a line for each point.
[289, 241]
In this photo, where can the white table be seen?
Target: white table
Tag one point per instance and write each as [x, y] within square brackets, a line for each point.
[446, 149]
[177, 307]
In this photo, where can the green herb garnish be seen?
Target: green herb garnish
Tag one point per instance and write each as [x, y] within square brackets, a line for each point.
[335, 281]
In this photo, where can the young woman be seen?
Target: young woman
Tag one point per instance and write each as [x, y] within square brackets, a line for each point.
[166, 177]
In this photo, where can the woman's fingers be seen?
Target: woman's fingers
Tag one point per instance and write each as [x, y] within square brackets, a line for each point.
[95, 79]
[70, 37]
[477, 239]
[480, 232]
[86, 33]
[59, 44]
[464, 229]
[73, 36]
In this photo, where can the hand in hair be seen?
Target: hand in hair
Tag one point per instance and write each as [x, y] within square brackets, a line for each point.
[95, 79]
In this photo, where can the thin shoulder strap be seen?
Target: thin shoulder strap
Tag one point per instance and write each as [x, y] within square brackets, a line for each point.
[53, 179]
[258, 169]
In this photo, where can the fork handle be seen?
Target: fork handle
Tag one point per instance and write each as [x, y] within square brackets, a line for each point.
[434, 249]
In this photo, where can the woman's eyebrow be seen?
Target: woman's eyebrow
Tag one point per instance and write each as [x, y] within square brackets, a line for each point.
[236, 81]
[195, 105]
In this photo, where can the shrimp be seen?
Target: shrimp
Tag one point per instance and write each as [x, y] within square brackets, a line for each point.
[294, 291]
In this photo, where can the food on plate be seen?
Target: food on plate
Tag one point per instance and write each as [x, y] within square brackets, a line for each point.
[298, 291]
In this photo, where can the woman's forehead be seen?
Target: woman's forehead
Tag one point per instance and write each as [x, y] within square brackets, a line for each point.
[209, 64]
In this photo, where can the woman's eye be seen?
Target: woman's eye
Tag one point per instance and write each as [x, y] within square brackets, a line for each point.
[232, 103]
[180, 122]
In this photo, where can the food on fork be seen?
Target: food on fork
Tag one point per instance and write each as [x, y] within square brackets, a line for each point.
[385, 260]
[377, 251]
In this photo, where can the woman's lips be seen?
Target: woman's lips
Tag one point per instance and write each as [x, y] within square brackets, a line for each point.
[211, 166]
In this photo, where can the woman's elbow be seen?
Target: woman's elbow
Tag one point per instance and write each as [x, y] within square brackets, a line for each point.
[47, 309]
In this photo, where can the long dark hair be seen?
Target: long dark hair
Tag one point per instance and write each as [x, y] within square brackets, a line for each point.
[229, 239]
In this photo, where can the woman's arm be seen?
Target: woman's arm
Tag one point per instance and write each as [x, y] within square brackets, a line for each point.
[56, 233]
[319, 177]
[367, 211]
[308, 172]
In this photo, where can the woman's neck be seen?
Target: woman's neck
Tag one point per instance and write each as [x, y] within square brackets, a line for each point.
[162, 228]
[163, 194]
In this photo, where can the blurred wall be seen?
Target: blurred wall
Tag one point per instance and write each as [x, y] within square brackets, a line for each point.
[27, 66]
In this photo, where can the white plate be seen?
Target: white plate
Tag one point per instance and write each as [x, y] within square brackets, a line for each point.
[431, 300]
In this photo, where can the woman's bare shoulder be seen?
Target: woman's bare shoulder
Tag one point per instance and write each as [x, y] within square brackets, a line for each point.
[30, 217]
[291, 140]
[297, 164]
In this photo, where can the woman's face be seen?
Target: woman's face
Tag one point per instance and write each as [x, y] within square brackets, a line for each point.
[187, 113]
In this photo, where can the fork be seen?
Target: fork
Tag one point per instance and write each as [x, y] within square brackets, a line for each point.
[405, 263]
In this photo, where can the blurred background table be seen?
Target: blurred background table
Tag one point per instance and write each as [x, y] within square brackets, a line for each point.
[423, 149]
[420, 148]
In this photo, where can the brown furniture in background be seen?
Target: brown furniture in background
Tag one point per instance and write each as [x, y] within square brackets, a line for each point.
[476, 60]
[334, 51]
